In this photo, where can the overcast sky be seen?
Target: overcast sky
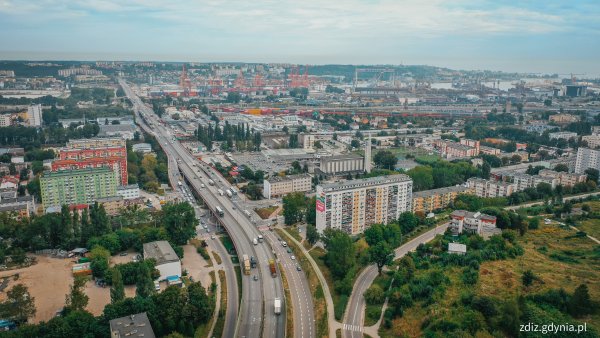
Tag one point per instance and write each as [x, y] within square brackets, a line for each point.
[539, 36]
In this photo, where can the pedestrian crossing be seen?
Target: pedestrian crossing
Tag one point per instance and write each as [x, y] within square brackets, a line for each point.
[356, 328]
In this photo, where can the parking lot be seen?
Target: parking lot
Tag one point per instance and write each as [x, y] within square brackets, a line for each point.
[258, 161]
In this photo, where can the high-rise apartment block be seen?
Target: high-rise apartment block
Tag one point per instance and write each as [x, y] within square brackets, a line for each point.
[83, 186]
[34, 115]
[94, 153]
[353, 206]
[587, 159]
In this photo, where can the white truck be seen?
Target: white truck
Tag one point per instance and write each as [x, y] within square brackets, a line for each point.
[229, 193]
[220, 192]
[255, 241]
[277, 306]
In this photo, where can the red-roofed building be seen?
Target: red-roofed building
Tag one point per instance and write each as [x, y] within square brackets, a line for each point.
[112, 157]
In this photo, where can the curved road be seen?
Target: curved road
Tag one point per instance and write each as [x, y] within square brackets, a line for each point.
[354, 318]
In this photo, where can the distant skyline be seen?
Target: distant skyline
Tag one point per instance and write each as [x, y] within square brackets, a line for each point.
[533, 36]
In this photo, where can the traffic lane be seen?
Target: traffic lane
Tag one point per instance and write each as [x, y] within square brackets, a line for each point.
[304, 323]
[252, 295]
[356, 308]
[175, 147]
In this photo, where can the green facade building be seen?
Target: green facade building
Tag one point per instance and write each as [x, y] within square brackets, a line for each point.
[81, 186]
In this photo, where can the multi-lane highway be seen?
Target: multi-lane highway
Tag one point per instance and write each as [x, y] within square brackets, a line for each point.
[354, 317]
[256, 316]
[304, 317]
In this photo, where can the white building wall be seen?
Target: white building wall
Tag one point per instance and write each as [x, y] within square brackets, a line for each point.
[169, 269]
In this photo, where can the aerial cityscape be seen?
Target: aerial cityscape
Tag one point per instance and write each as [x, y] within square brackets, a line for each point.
[299, 169]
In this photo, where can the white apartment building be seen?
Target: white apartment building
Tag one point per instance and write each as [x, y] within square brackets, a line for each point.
[279, 186]
[565, 135]
[593, 141]
[34, 115]
[355, 205]
[586, 159]
[129, 191]
[472, 222]
[488, 188]
[564, 179]
[524, 181]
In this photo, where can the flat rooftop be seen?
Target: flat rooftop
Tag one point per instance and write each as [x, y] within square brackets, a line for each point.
[161, 251]
[366, 182]
[137, 325]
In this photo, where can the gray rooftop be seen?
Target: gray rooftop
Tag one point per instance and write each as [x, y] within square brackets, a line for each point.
[366, 182]
[161, 251]
[286, 178]
[137, 325]
[425, 193]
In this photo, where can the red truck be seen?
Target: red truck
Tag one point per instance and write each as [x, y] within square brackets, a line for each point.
[272, 267]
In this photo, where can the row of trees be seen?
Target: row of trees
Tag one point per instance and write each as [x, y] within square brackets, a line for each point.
[67, 230]
[441, 174]
[240, 136]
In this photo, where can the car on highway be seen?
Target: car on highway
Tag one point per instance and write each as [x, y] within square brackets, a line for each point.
[283, 243]
[293, 257]
[289, 250]
[298, 268]
[212, 237]
[255, 277]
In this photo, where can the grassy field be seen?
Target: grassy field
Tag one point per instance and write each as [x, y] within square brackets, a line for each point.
[421, 154]
[218, 331]
[293, 231]
[289, 310]
[556, 256]
[373, 312]
[339, 301]
[264, 213]
[590, 227]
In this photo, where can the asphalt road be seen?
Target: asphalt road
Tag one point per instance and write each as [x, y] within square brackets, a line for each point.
[304, 317]
[256, 314]
[354, 318]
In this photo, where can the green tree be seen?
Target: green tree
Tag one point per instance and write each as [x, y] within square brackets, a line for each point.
[293, 141]
[99, 221]
[381, 254]
[312, 235]
[592, 174]
[311, 211]
[341, 254]
[144, 286]
[580, 303]
[422, 177]
[180, 222]
[528, 278]
[99, 261]
[385, 159]
[294, 208]
[77, 300]
[561, 167]
[117, 290]
[374, 295]
[19, 305]
[407, 221]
